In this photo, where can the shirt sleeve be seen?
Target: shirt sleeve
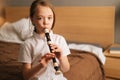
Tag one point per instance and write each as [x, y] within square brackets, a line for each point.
[64, 46]
[25, 54]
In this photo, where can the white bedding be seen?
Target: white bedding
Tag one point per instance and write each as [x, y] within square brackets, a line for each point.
[24, 28]
[17, 31]
[8, 34]
[98, 51]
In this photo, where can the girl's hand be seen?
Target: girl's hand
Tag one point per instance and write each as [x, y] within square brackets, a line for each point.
[64, 64]
[56, 50]
[46, 58]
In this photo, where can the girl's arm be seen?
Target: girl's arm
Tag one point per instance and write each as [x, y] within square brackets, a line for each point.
[29, 71]
[64, 63]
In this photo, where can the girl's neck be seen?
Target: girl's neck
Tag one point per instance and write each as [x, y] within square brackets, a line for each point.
[41, 34]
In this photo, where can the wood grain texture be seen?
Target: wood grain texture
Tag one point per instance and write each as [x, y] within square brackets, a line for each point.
[86, 24]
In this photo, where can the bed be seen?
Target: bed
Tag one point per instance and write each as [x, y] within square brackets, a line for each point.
[93, 26]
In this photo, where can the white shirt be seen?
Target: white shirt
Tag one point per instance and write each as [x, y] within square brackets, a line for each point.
[35, 47]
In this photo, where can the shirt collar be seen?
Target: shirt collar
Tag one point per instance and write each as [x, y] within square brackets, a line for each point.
[36, 35]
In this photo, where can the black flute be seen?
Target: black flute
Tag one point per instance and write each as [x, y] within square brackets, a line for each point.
[55, 64]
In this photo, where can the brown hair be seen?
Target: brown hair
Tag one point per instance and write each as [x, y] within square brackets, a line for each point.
[42, 3]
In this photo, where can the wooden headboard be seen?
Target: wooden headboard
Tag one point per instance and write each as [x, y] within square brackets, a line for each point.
[78, 24]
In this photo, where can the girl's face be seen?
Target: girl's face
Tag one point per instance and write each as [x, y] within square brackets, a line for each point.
[43, 18]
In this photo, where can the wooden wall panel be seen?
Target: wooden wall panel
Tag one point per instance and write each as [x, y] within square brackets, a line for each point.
[86, 24]
[16, 13]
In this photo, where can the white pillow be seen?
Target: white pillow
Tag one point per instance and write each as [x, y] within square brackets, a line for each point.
[8, 34]
[24, 28]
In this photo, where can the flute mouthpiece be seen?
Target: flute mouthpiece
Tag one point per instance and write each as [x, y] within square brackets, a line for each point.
[46, 30]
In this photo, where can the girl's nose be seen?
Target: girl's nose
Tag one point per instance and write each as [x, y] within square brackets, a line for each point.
[45, 21]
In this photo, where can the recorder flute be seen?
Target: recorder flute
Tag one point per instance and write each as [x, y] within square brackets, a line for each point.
[55, 64]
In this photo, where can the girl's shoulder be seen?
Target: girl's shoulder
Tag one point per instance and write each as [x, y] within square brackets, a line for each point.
[29, 40]
[58, 36]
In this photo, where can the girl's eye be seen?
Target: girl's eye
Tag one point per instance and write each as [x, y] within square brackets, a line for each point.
[39, 18]
[49, 18]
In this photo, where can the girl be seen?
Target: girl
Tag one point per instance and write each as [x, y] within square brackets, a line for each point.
[35, 54]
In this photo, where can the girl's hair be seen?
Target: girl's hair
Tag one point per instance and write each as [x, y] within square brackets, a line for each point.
[41, 3]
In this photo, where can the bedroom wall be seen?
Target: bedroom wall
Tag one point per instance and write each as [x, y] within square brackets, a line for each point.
[115, 3]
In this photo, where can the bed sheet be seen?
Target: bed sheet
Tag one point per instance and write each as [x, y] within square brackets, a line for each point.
[93, 48]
